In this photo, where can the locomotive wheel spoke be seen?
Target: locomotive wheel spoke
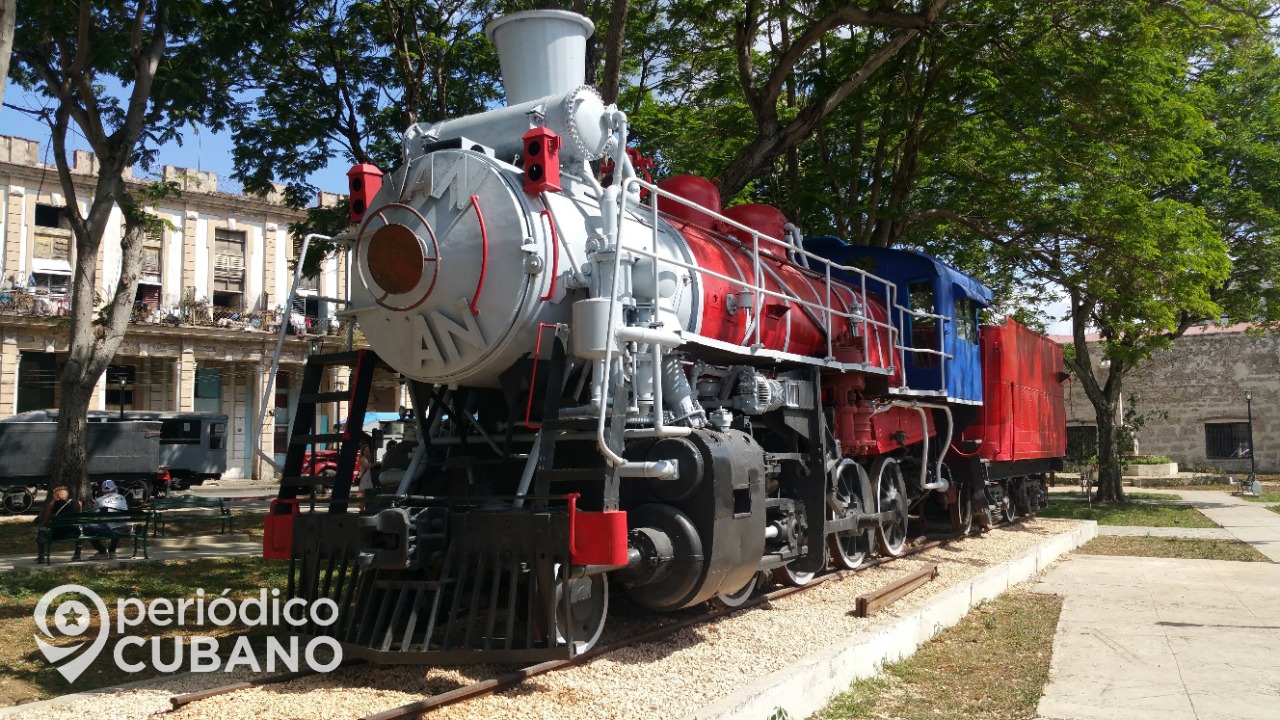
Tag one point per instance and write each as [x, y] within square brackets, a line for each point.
[891, 490]
[1009, 507]
[848, 548]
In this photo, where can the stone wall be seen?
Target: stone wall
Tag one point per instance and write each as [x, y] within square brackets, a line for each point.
[1202, 378]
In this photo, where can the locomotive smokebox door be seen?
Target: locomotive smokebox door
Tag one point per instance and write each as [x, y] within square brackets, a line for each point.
[541, 161]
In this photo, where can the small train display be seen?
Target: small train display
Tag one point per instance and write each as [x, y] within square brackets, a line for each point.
[147, 453]
[627, 387]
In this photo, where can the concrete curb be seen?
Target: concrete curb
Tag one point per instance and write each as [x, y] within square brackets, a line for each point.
[53, 703]
[808, 685]
[187, 541]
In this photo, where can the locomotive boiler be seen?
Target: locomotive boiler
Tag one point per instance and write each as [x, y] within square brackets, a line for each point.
[622, 384]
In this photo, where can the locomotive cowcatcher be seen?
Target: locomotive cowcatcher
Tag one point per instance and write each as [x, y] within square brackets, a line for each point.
[627, 387]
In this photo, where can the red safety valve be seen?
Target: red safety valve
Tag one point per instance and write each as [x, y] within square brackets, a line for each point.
[364, 181]
[541, 161]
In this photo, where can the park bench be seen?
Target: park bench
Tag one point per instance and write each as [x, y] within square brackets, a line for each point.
[47, 536]
[183, 508]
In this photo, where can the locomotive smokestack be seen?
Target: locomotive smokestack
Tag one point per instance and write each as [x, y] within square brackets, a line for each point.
[542, 52]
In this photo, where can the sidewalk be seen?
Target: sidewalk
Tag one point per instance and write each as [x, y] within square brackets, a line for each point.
[1164, 639]
[179, 548]
[1247, 521]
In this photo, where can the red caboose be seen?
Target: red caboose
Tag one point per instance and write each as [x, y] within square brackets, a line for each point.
[1019, 436]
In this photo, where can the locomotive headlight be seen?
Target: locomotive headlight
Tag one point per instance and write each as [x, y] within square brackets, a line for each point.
[395, 259]
[398, 257]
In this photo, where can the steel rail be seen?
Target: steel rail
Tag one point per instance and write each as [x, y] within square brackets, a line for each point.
[511, 679]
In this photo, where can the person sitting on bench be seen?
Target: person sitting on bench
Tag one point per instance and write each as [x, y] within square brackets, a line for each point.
[110, 501]
[59, 502]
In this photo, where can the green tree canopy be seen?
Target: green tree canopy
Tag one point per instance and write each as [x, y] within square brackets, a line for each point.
[129, 76]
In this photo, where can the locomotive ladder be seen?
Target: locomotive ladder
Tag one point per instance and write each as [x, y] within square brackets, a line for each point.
[303, 435]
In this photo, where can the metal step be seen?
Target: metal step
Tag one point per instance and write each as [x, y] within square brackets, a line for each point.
[313, 439]
[343, 358]
[321, 397]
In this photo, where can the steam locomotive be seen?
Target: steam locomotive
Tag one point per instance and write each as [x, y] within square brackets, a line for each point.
[627, 387]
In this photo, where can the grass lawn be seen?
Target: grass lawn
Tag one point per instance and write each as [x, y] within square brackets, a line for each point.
[19, 537]
[1162, 547]
[1151, 496]
[993, 665]
[1266, 497]
[1127, 513]
[28, 676]
[1275, 509]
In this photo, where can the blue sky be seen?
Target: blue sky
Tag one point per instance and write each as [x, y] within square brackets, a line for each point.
[203, 150]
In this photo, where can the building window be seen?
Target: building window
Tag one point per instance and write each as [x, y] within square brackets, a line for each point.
[51, 216]
[228, 300]
[152, 257]
[37, 378]
[147, 298]
[52, 283]
[228, 265]
[117, 395]
[1082, 443]
[208, 383]
[1224, 441]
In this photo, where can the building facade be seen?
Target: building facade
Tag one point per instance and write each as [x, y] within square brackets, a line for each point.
[210, 303]
[1199, 396]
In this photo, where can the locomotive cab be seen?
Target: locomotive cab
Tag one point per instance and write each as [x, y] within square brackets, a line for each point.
[937, 307]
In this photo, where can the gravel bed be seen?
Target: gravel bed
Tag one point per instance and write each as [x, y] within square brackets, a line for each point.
[666, 679]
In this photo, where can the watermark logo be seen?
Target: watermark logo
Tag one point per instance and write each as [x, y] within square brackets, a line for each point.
[68, 611]
[71, 618]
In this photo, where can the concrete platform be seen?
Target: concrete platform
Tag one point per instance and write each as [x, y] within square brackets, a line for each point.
[807, 686]
[1164, 639]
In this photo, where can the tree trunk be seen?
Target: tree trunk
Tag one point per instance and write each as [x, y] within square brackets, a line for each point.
[1110, 488]
[614, 42]
[71, 462]
[8, 16]
[92, 345]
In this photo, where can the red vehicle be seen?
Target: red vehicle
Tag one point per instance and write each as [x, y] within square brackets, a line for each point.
[323, 463]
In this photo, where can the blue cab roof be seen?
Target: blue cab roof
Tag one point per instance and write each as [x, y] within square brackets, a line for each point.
[904, 263]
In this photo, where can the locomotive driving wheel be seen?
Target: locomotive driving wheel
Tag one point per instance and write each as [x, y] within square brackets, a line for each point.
[962, 508]
[738, 597]
[790, 577]
[583, 616]
[891, 494]
[848, 548]
[1008, 501]
[18, 499]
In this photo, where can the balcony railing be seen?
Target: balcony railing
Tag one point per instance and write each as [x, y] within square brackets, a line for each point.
[22, 303]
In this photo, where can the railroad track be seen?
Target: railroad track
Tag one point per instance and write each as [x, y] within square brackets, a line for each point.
[514, 678]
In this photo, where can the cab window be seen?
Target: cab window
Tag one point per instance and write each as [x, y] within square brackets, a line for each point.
[966, 314]
[924, 330]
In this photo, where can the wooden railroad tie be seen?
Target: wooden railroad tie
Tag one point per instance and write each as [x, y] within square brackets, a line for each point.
[873, 601]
